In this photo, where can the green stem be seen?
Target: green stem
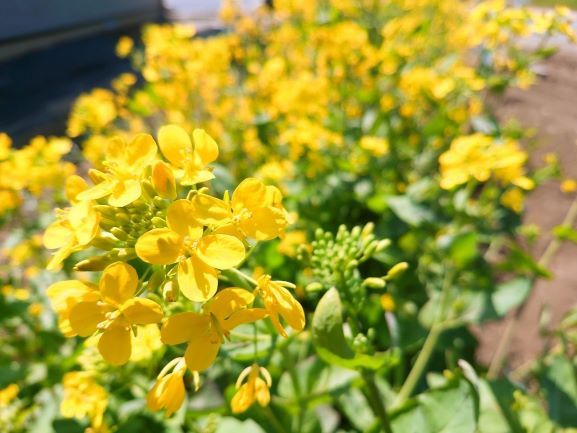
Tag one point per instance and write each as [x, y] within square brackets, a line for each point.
[374, 398]
[429, 345]
[274, 420]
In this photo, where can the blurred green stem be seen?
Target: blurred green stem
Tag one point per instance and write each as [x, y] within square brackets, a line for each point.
[375, 401]
[430, 342]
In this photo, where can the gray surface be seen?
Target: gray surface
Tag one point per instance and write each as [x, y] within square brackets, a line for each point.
[22, 18]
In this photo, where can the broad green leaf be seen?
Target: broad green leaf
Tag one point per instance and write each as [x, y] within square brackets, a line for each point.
[463, 249]
[558, 377]
[228, 424]
[451, 409]
[510, 295]
[330, 342]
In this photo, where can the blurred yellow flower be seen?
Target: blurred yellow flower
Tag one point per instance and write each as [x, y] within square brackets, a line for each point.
[254, 390]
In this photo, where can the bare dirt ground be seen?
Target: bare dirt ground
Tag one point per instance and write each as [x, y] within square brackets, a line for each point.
[551, 107]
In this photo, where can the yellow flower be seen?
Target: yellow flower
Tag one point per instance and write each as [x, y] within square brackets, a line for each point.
[64, 295]
[163, 180]
[387, 302]
[83, 397]
[255, 389]
[465, 159]
[205, 332]
[125, 164]
[114, 311]
[377, 146]
[124, 46]
[8, 394]
[198, 255]
[5, 145]
[568, 186]
[255, 211]
[513, 199]
[168, 392]
[74, 229]
[191, 161]
[145, 343]
[278, 301]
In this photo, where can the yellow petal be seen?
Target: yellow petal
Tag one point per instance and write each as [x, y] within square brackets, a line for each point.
[180, 219]
[229, 300]
[243, 399]
[99, 190]
[265, 223]
[168, 393]
[57, 235]
[115, 345]
[204, 146]
[85, 317]
[118, 283]
[141, 311]
[240, 317]
[74, 186]
[262, 392]
[174, 142]
[140, 152]
[201, 351]
[209, 210]
[197, 281]
[181, 327]
[125, 192]
[250, 193]
[60, 292]
[221, 251]
[159, 246]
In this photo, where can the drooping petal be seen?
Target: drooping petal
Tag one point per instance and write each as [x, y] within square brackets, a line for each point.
[141, 311]
[61, 291]
[125, 192]
[201, 351]
[242, 399]
[159, 246]
[261, 392]
[118, 283]
[115, 345]
[250, 193]
[204, 146]
[174, 143]
[168, 393]
[265, 223]
[197, 281]
[221, 251]
[240, 317]
[180, 328]
[180, 219]
[209, 210]
[85, 317]
[74, 186]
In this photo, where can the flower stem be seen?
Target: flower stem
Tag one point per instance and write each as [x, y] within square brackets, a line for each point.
[374, 398]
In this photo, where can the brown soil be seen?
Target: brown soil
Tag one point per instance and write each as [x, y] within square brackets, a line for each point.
[551, 107]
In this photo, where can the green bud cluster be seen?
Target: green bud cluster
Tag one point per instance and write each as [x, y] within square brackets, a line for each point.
[335, 259]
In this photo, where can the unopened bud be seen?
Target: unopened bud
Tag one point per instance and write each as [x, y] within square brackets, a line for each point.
[104, 242]
[314, 287]
[374, 283]
[163, 180]
[382, 244]
[170, 291]
[95, 176]
[158, 222]
[119, 233]
[97, 263]
[155, 280]
[148, 188]
[397, 270]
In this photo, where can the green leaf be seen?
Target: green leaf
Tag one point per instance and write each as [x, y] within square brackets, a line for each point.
[510, 295]
[407, 210]
[451, 409]
[565, 233]
[330, 342]
[463, 249]
[559, 381]
[227, 425]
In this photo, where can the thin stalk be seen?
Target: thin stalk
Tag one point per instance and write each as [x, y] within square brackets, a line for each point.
[544, 261]
[429, 345]
[374, 398]
[273, 419]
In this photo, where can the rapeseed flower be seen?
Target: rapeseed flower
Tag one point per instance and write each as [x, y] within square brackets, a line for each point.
[254, 390]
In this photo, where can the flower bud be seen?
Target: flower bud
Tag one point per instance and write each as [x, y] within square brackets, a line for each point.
[314, 287]
[397, 270]
[374, 283]
[119, 233]
[163, 180]
[97, 263]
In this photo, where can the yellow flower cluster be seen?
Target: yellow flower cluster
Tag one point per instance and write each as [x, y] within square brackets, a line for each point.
[165, 241]
[481, 157]
[32, 169]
